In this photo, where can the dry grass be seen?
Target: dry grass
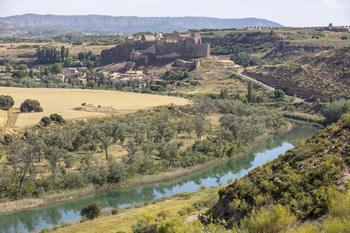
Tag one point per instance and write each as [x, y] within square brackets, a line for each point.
[17, 205]
[62, 101]
[3, 117]
[10, 206]
[213, 77]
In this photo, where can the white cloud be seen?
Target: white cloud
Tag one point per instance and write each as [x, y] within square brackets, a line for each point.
[341, 5]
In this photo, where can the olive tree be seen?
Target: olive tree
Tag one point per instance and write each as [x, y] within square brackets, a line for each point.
[31, 105]
[6, 102]
[91, 210]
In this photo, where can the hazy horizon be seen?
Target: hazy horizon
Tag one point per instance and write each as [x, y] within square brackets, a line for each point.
[287, 13]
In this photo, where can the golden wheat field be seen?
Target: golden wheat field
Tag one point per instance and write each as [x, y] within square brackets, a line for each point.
[63, 102]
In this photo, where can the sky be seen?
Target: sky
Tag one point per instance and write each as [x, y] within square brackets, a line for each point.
[286, 12]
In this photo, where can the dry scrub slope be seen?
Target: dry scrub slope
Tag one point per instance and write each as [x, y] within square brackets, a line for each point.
[321, 75]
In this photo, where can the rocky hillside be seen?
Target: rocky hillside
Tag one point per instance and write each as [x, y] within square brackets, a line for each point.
[131, 24]
[300, 180]
[317, 76]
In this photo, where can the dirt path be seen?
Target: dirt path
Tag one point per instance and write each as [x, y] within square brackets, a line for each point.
[296, 100]
[12, 118]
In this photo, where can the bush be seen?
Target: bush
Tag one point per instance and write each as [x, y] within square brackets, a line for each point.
[91, 210]
[115, 211]
[46, 121]
[8, 138]
[333, 111]
[31, 105]
[56, 68]
[57, 118]
[279, 94]
[6, 102]
[272, 219]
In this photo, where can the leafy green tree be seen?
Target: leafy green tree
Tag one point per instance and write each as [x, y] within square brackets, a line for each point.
[46, 121]
[55, 150]
[66, 53]
[63, 53]
[199, 125]
[105, 133]
[170, 152]
[244, 59]
[250, 91]
[6, 102]
[91, 210]
[56, 68]
[57, 118]
[22, 161]
[47, 55]
[31, 73]
[333, 111]
[68, 61]
[8, 67]
[23, 67]
[30, 105]
[8, 138]
[223, 93]
[19, 74]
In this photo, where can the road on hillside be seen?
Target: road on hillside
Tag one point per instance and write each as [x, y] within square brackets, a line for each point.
[240, 72]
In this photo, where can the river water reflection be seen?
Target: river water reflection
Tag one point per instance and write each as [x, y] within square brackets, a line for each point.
[38, 218]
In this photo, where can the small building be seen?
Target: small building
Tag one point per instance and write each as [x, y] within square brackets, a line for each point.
[37, 80]
[6, 78]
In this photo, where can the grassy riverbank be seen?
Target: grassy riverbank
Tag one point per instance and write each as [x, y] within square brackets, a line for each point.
[127, 217]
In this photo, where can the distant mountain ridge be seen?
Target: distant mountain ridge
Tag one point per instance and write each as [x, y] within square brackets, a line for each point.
[129, 24]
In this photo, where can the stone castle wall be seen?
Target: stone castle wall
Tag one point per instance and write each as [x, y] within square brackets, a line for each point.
[159, 48]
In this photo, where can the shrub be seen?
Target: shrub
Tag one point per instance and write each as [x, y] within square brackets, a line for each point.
[346, 121]
[46, 121]
[91, 210]
[272, 219]
[333, 111]
[6, 102]
[31, 105]
[115, 211]
[279, 94]
[57, 118]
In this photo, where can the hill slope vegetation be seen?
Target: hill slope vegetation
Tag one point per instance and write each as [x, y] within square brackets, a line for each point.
[317, 76]
[299, 182]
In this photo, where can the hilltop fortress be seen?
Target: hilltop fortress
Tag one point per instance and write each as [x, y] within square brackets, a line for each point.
[151, 47]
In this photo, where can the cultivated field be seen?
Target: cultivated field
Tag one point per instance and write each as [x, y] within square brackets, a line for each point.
[63, 101]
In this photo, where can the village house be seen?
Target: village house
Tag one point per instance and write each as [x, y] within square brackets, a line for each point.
[5, 79]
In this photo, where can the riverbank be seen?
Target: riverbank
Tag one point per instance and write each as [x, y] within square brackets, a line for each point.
[12, 206]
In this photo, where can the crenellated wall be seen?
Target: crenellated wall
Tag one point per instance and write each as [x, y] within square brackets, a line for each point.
[187, 46]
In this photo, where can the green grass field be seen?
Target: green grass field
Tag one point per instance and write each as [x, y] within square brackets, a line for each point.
[63, 102]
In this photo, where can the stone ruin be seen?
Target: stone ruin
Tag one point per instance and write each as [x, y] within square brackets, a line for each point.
[153, 47]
